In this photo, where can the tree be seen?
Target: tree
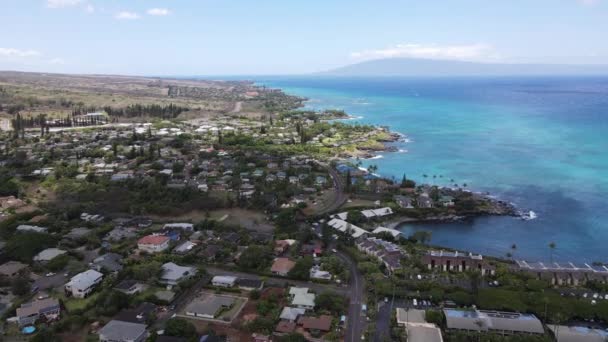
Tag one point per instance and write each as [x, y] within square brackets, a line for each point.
[301, 270]
[20, 286]
[180, 327]
[349, 181]
[255, 257]
[330, 301]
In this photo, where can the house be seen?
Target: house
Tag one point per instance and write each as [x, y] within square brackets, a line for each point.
[12, 269]
[316, 325]
[119, 331]
[314, 249]
[281, 246]
[184, 247]
[382, 230]
[424, 201]
[77, 234]
[130, 287]
[248, 284]
[223, 281]
[83, 283]
[210, 252]
[386, 252]
[503, 323]
[380, 212]
[320, 180]
[317, 273]
[282, 266]
[48, 254]
[29, 228]
[403, 201]
[153, 243]
[301, 298]
[285, 327]
[346, 227]
[46, 309]
[209, 307]
[446, 201]
[457, 261]
[260, 338]
[183, 226]
[109, 262]
[173, 273]
[291, 314]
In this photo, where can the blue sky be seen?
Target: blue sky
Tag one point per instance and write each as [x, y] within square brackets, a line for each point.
[247, 37]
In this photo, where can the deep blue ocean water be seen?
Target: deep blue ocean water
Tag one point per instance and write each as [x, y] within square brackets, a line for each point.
[541, 143]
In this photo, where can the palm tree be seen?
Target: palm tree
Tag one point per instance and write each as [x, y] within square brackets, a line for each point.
[552, 247]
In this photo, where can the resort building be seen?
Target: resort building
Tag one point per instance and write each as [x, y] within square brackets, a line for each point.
[457, 262]
[386, 252]
[504, 323]
[566, 273]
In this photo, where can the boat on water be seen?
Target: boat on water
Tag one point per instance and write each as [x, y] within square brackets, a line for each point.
[528, 216]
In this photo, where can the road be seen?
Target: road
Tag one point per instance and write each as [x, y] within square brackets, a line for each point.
[280, 282]
[180, 301]
[356, 320]
[339, 189]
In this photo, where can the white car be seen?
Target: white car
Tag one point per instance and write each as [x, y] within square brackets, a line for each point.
[50, 274]
[415, 302]
[386, 299]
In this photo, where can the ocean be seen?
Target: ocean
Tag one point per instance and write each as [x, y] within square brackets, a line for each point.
[541, 143]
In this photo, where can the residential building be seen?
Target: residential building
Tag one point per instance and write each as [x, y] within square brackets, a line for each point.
[184, 247]
[153, 243]
[317, 273]
[109, 262]
[380, 212]
[223, 281]
[248, 284]
[316, 325]
[12, 269]
[119, 331]
[346, 227]
[301, 298]
[48, 254]
[565, 273]
[29, 228]
[282, 266]
[183, 226]
[291, 314]
[46, 309]
[386, 252]
[173, 273]
[209, 307]
[130, 287]
[83, 283]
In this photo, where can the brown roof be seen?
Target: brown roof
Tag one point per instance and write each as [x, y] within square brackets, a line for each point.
[285, 327]
[153, 240]
[282, 265]
[322, 322]
[11, 267]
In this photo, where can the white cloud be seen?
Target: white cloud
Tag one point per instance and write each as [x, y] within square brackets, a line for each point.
[90, 8]
[158, 11]
[10, 52]
[431, 51]
[62, 3]
[589, 2]
[125, 15]
[57, 61]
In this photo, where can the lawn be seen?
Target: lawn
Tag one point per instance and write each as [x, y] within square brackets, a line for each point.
[72, 303]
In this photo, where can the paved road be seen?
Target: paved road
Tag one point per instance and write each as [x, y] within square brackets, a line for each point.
[356, 321]
[280, 282]
[339, 189]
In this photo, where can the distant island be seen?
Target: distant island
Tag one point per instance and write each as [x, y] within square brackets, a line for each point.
[430, 67]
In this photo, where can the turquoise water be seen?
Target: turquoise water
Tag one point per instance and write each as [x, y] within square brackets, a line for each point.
[539, 143]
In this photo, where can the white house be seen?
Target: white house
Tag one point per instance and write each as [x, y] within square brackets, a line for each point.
[173, 273]
[301, 298]
[83, 283]
[223, 281]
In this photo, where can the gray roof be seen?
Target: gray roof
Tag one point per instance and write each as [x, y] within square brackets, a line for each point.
[210, 305]
[122, 331]
[423, 334]
[481, 320]
[174, 272]
[577, 334]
